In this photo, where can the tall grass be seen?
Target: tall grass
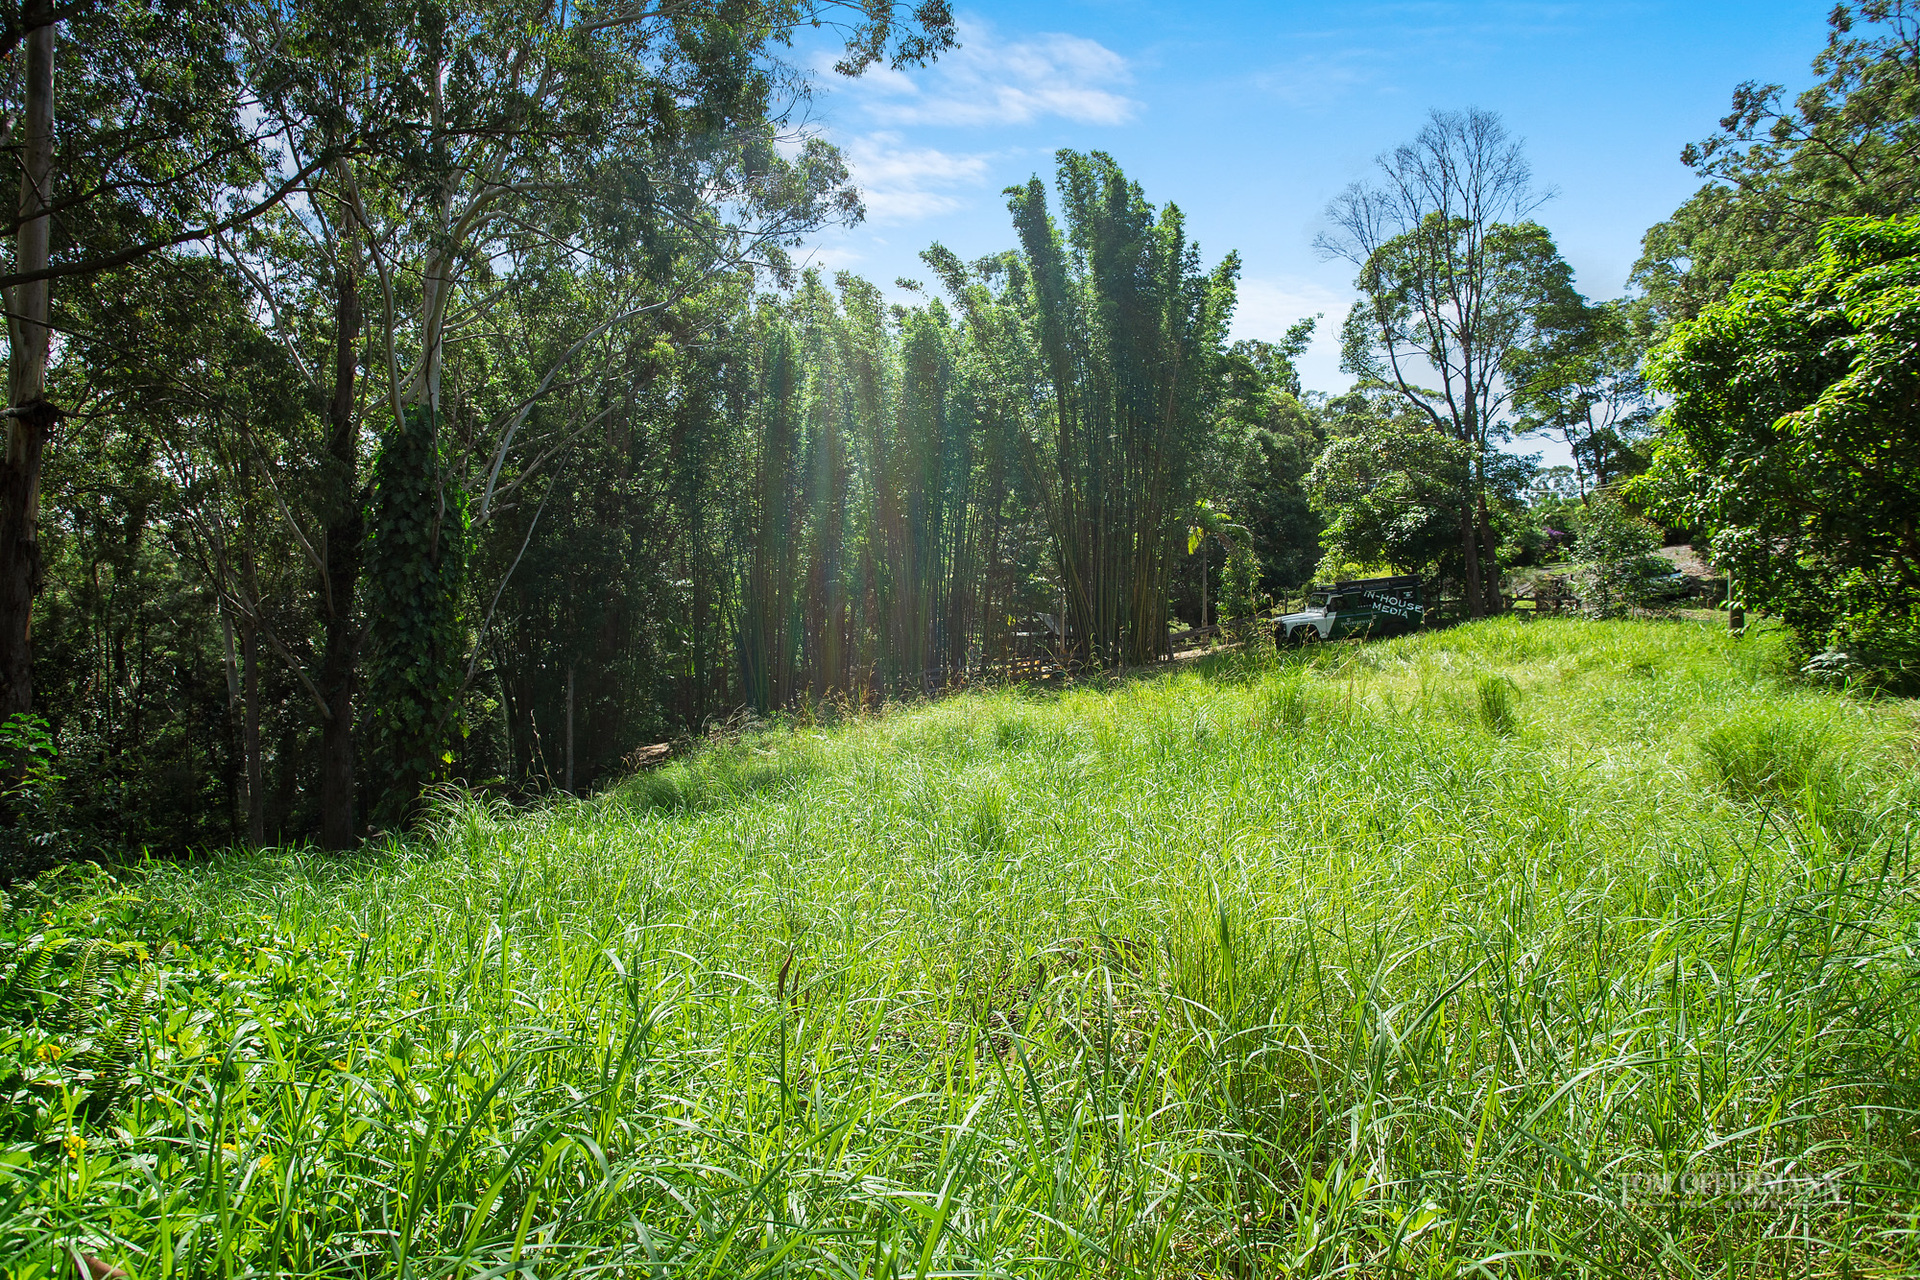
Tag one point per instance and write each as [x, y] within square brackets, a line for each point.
[1548, 949]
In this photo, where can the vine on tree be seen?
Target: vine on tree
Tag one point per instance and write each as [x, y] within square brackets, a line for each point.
[416, 568]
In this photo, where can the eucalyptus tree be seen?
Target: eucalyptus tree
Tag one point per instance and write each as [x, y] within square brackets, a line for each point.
[1584, 384]
[101, 187]
[162, 139]
[304, 272]
[640, 144]
[208, 395]
[1453, 281]
[572, 594]
[159, 578]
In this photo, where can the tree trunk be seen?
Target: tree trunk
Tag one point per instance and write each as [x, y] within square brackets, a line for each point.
[236, 715]
[250, 740]
[337, 828]
[1496, 602]
[345, 534]
[30, 418]
[286, 774]
[1476, 603]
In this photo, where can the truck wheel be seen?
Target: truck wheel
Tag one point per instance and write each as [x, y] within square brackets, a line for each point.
[1306, 635]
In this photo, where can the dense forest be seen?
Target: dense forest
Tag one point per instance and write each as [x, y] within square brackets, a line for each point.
[404, 397]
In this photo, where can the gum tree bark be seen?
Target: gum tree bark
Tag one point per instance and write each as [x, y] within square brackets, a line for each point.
[30, 419]
[345, 538]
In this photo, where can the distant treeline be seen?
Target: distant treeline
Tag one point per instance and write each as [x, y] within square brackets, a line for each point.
[434, 400]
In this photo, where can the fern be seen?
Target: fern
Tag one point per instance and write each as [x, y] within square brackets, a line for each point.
[113, 1052]
[79, 1003]
[83, 993]
[30, 966]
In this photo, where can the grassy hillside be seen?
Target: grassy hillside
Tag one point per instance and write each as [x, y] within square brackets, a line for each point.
[1564, 948]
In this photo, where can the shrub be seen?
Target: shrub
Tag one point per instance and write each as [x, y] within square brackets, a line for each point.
[1618, 569]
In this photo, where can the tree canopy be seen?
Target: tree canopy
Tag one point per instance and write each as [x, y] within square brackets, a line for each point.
[1455, 282]
[1789, 440]
[1777, 170]
[404, 398]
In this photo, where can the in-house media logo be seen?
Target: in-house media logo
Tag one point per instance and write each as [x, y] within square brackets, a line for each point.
[1393, 605]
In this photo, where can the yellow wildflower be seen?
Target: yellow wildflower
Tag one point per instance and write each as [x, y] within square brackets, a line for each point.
[47, 1052]
[266, 1163]
[75, 1144]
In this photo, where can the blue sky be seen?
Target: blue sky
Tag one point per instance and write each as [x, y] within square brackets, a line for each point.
[1251, 117]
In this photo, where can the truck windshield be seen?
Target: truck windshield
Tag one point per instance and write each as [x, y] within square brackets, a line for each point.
[1318, 600]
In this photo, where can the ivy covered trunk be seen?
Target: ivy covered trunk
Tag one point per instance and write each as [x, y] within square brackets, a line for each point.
[416, 567]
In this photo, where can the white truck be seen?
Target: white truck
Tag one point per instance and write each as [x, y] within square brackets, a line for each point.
[1358, 607]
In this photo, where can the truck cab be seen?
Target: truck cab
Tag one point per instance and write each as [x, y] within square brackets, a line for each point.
[1358, 607]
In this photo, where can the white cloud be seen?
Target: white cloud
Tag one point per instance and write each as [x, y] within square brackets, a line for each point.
[880, 79]
[1386, 48]
[1267, 307]
[989, 81]
[902, 183]
[1320, 79]
[827, 258]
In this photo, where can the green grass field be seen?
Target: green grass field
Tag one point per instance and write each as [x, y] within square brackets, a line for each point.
[1521, 949]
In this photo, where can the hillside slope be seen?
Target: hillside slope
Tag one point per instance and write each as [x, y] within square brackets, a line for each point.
[1573, 948]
